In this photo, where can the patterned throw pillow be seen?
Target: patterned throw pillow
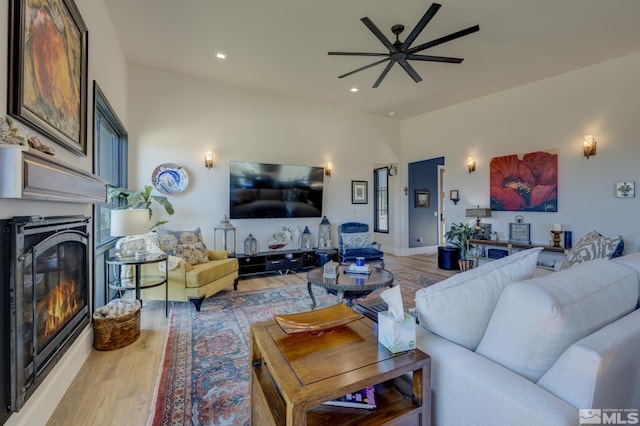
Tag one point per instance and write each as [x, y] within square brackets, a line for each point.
[192, 253]
[169, 240]
[593, 246]
[356, 239]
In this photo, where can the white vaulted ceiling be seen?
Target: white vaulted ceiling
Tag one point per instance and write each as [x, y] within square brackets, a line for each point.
[280, 46]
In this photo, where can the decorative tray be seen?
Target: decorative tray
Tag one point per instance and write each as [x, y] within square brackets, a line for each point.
[318, 320]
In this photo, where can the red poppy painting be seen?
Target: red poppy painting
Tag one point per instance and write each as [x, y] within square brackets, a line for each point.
[525, 182]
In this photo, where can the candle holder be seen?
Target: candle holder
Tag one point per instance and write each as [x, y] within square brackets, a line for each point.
[556, 238]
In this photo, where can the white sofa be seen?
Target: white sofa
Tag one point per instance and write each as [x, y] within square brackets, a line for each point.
[507, 349]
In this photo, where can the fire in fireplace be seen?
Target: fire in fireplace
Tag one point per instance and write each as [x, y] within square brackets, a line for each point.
[48, 295]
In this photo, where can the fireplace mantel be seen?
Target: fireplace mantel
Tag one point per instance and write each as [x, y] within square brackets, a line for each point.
[31, 175]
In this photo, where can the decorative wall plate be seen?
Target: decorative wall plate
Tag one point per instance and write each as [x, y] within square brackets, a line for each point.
[170, 178]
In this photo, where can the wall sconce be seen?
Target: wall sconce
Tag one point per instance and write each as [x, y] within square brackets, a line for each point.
[328, 169]
[208, 160]
[454, 195]
[471, 164]
[589, 146]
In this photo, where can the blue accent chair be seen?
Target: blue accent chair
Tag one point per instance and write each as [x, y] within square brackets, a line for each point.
[358, 245]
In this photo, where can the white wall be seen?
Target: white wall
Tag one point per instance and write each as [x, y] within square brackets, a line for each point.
[602, 100]
[108, 66]
[176, 119]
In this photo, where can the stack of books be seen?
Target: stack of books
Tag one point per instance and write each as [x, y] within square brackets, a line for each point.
[364, 398]
[355, 269]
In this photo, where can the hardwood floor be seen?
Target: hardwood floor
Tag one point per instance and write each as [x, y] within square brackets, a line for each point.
[116, 387]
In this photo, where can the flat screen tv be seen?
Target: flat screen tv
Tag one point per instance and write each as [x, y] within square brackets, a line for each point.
[259, 190]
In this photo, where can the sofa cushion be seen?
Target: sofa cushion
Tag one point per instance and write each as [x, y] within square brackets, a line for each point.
[593, 246]
[631, 243]
[356, 239]
[459, 308]
[170, 239]
[536, 320]
[631, 261]
[192, 253]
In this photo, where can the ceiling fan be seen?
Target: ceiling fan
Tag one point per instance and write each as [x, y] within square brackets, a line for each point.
[401, 52]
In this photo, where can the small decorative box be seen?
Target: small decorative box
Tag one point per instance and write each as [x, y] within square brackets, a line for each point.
[330, 269]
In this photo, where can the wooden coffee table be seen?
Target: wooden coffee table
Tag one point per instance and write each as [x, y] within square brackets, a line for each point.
[349, 286]
[292, 375]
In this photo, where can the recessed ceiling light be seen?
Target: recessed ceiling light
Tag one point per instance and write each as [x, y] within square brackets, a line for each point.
[354, 89]
[392, 113]
[221, 55]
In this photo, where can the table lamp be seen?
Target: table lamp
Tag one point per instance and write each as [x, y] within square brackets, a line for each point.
[128, 222]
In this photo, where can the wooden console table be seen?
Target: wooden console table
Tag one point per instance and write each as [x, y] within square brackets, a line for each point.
[292, 375]
[509, 246]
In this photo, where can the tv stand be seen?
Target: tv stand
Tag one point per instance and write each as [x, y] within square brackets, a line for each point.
[281, 261]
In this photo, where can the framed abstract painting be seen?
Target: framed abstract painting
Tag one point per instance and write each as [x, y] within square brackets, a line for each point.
[48, 70]
[525, 182]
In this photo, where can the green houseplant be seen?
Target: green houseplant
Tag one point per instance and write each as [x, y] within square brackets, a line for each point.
[142, 200]
[459, 236]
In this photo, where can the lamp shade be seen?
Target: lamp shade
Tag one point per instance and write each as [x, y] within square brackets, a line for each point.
[478, 212]
[129, 222]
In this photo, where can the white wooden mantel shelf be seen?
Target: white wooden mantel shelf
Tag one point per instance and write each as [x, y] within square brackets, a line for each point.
[32, 175]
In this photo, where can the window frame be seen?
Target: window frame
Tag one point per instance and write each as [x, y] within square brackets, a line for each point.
[381, 200]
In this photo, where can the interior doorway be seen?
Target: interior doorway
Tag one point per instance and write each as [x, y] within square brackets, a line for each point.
[425, 203]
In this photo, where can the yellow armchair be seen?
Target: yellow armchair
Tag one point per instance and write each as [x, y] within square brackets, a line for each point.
[194, 283]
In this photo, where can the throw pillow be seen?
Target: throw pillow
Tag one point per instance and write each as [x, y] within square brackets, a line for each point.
[535, 321]
[593, 246]
[459, 308]
[356, 239]
[192, 253]
[170, 239]
[152, 243]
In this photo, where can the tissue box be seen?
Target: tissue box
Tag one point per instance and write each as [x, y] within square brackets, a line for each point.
[397, 336]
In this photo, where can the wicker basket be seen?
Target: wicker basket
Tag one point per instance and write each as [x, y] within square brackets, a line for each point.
[116, 325]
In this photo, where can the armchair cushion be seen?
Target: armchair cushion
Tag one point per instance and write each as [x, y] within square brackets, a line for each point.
[356, 239]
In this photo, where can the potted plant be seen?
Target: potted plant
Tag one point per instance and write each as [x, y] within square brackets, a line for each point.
[459, 236]
[142, 200]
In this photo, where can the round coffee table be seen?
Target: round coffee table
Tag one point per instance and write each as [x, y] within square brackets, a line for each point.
[347, 285]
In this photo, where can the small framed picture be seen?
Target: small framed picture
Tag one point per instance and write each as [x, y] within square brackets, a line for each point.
[359, 192]
[422, 199]
[625, 189]
[520, 233]
[483, 231]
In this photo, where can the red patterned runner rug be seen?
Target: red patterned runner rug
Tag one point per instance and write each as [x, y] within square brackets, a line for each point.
[204, 378]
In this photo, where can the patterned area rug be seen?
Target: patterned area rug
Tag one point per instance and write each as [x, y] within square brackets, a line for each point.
[204, 378]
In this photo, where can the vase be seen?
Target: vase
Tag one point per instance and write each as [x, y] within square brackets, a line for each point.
[465, 265]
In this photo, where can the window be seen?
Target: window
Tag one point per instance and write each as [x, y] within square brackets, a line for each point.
[381, 200]
[110, 161]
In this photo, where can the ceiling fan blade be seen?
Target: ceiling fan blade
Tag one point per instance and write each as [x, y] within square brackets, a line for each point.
[420, 26]
[376, 31]
[435, 59]
[363, 68]
[444, 39]
[383, 74]
[409, 69]
[357, 54]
